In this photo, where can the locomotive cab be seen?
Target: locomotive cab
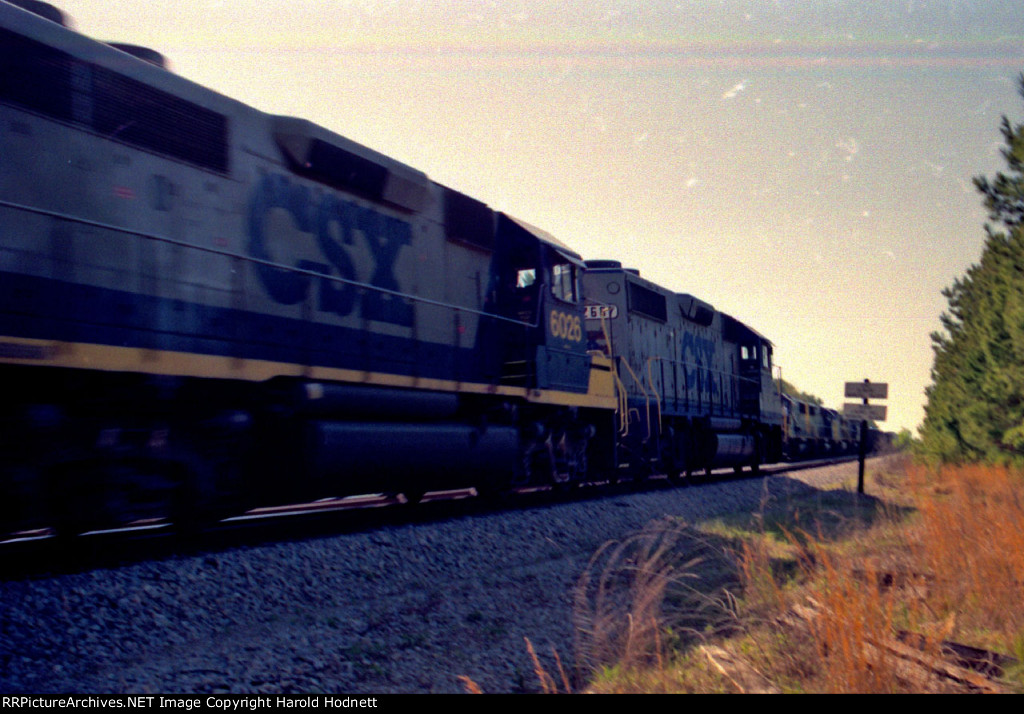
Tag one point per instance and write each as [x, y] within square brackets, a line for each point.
[536, 294]
[759, 400]
[751, 356]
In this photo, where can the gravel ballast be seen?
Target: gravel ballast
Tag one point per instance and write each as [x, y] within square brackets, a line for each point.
[404, 608]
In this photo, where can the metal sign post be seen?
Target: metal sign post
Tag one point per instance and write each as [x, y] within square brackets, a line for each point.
[865, 390]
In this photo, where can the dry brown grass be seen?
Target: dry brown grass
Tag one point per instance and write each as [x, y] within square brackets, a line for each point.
[952, 570]
[970, 539]
[619, 600]
[862, 603]
[642, 598]
[837, 593]
[853, 617]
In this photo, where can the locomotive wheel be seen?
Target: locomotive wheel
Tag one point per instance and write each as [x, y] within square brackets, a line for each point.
[616, 476]
[111, 492]
[70, 503]
[674, 456]
[565, 489]
[689, 476]
[191, 509]
[672, 470]
[640, 472]
[755, 468]
[698, 476]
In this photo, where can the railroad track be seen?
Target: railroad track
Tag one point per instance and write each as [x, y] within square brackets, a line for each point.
[42, 550]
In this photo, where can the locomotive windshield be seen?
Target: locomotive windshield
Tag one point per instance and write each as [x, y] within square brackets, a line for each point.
[564, 283]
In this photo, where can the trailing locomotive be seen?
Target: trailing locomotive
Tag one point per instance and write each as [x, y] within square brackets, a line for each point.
[204, 308]
[695, 385]
[812, 431]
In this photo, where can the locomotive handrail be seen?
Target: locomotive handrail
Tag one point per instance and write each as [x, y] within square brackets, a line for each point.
[702, 367]
[709, 370]
[623, 402]
[622, 397]
[260, 261]
[647, 397]
[650, 381]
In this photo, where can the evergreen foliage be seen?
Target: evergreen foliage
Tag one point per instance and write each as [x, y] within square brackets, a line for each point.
[789, 390]
[905, 440]
[975, 409]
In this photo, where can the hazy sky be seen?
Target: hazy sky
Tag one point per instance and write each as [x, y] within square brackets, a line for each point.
[802, 165]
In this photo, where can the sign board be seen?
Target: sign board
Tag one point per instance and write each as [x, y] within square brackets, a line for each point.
[598, 312]
[864, 412]
[867, 390]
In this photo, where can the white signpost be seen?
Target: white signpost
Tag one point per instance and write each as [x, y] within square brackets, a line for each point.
[867, 390]
[865, 412]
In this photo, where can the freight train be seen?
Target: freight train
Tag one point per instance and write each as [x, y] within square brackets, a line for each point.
[206, 308]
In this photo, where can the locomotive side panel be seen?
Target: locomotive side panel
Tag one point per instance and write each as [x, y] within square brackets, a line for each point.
[97, 161]
[164, 248]
[238, 255]
[672, 344]
[681, 406]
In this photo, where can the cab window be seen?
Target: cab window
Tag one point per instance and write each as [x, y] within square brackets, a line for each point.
[526, 278]
[563, 282]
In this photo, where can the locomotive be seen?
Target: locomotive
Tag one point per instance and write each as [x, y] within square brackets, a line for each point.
[206, 308]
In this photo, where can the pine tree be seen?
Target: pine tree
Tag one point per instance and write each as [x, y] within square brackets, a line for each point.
[791, 391]
[975, 409]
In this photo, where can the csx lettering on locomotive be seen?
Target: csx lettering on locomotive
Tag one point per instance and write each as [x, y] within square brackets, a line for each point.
[699, 356]
[335, 223]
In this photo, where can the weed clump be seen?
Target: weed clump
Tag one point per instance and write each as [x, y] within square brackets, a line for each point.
[916, 588]
[889, 607]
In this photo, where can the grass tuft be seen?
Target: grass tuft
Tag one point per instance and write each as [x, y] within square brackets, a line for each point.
[834, 593]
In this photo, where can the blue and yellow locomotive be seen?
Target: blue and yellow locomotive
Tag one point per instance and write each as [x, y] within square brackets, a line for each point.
[204, 308]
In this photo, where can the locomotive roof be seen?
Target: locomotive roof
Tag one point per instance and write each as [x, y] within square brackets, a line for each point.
[341, 162]
[734, 329]
[39, 25]
[42, 9]
[300, 141]
[545, 237]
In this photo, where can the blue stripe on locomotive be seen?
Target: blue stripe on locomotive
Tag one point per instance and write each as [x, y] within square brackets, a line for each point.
[339, 300]
[47, 309]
